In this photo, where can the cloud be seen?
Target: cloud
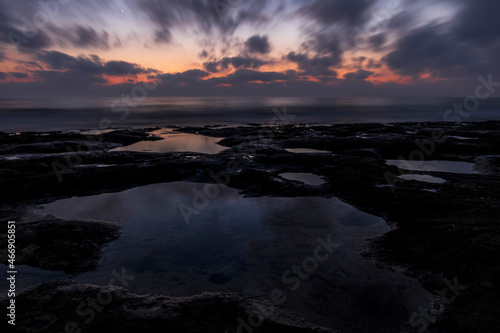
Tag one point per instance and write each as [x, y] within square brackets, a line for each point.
[203, 54]
[462, 46]
[19, 75]
[37, 25]
[19, 34]
[318, 65]
[30, 64]
[478, 21]
[324, 44]
[328, 12]
[373, 64]
[208, 16]
[428, 49]
[3, 75]
[241, 83]
[377, 41]
[424, 38]
[235, 62]
[56, 60]
[196, 78]
[242, 76]
[191, 76]
[360, 74]
[258, 44]
[122, 68]
[320, 54]
[15, 38]
[91, 65]
[83, 37]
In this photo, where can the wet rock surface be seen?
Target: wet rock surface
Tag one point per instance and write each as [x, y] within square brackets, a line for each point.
[441, 231]
[52, 307]
[61, 245]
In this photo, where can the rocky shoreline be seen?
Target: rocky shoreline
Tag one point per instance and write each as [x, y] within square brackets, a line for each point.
[441, 232]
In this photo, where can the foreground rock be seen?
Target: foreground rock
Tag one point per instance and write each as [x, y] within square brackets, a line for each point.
[60, 245]
[66, 307]
[443, 232]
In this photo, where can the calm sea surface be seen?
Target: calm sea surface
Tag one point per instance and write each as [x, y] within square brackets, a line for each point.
[76, 114]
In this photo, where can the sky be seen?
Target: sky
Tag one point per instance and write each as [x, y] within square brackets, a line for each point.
[310, 48]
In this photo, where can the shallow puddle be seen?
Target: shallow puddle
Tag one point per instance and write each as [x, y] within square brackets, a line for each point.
[424, 178]
[250, 246]
[307, 151]
[176, 142]
[306, 178]
[461, 137]
[438, 166]
[97, 131]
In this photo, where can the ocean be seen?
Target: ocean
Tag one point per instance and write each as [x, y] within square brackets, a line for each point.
[98, 113]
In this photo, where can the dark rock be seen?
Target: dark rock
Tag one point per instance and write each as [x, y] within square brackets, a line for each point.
[55, 307]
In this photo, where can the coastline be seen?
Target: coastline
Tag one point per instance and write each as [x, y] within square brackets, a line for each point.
[441, 232]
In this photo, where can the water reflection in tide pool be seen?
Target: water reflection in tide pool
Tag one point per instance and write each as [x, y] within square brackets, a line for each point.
[307, 151]
[245, 245]
[306, 178]
[424, 178]
[176, 142]
[438, 166]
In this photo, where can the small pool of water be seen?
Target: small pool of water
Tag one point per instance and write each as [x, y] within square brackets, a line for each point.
[176, 142]
[97, 131]
[438, 166]
[249, 246]
[307, 151]
[461, 137]
[306, 178]
[424, 178]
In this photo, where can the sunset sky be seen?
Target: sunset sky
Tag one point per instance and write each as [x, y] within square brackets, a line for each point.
[324, 48]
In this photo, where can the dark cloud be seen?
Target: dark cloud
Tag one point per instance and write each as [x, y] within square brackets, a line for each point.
[2, 75]
[2, 56]
[17, 33]
[194, 83]
[462, 47]
[351, 12]
[360, 60]
[88, 37]
[90, 65]
[18, 22]
[242, 76]
[19, 75]
[378, 41]
[478, 21]
[212, 66]
[30, 64]
[197, 78]
[258, 44]
[360, 74]
[203, 54]
[189, 77]
[325, 44]
[235, 62]
[56, 60]
[428, 49]
[83, 37]
[122, 68]
[316, 65]
[25, 43]
[373, 64]
[207, 15]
